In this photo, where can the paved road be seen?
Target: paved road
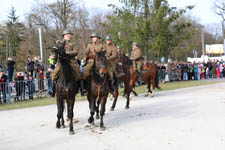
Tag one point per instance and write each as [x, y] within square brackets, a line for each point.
[184, 119]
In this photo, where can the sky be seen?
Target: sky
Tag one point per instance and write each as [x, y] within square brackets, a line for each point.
[203, 11]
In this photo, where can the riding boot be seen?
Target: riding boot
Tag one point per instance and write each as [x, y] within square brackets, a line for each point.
[111, 87]
[53, 88]
[82, 89]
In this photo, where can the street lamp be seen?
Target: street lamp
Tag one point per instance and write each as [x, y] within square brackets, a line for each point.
[40, 40]
[203, 40]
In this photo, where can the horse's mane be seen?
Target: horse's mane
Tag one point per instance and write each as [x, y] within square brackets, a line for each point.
[127, 61]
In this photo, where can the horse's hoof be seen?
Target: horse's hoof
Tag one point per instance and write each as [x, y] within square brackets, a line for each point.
[63, 126]
[97, 116]
[146, 95]
[57, 125]
[102, 128]
[90, 120]
[111, 109]
[127, 107]
[71, 132]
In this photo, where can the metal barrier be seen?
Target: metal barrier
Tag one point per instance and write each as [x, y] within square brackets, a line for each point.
[24, 89]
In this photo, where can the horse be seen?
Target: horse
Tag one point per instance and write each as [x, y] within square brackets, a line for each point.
[126, 64]
[67, 87]
[149, 76]
[98, 88]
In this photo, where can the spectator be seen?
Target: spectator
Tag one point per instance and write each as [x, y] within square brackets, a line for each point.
[195, 71]
[40, 77]
[3, 85]
[221, 70]
[10, 64]
[217, 69]
[190, 71]
[36, 66]
[214, 68]
[199, 70]
[20, 86]
[30, 66]
[210, 67]
[51, 61]
[224, 70]
[184, 70]
[30, 86]
[203, 72]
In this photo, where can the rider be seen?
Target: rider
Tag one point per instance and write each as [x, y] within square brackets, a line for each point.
[112, 56]
[136, 58]
[72, 51]
[92, 48]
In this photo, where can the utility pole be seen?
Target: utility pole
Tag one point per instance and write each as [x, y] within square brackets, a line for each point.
[203, 41]
[41, 48]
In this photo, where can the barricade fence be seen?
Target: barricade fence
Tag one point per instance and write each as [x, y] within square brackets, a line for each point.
[24, 90]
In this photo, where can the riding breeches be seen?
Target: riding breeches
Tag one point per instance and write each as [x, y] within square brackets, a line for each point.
[137, 66]
[87, 68]
[75, 68]
[110, 70]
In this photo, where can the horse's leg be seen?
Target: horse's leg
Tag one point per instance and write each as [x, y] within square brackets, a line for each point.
[128, 91]
[59, 110]
[153, 87]
[62, 117]
[102, 111]
[97, 109]
[92, 110]
[70, 104]
[133, 91]
[115, 100]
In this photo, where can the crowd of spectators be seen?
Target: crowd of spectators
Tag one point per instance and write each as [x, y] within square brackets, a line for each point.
[192, 71]
[23, 83]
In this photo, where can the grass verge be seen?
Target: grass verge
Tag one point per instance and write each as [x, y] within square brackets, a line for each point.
[139, 90]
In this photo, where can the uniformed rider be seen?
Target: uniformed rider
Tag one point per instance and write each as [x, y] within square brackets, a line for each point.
[72, 51]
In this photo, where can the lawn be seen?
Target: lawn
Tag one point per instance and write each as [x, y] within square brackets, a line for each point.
[139, 89]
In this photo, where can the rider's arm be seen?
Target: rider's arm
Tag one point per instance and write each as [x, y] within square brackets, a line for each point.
[114, 54]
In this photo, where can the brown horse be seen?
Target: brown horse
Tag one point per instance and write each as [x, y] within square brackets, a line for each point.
[126, 65]
[98, 88]
[67, 87]
[149, 76]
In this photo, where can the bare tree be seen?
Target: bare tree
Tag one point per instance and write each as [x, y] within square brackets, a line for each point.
[220, 10]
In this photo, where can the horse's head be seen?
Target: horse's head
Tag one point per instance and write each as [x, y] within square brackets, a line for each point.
[59, 51]
[100, 64]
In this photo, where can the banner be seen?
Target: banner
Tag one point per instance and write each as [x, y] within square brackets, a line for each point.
[214, 49]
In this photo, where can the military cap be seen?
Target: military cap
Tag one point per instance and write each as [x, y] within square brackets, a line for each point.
[67, 31]
[108, 37]
[135, 44]
[95, 34]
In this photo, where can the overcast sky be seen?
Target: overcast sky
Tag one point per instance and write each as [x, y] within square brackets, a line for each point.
[204, 10]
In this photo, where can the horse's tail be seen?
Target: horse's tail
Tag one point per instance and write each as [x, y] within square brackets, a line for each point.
[156, 78]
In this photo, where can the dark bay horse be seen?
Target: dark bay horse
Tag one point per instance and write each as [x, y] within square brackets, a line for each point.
[125, 66]
[66, 87]
[98, 88]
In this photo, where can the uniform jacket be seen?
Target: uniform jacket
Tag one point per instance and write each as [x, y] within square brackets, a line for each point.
[135, 54]
[92, 48]
[111, 52]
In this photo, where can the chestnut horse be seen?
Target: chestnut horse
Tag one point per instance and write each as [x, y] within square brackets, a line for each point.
[149, 76]
[98, 88]
[66, 87]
